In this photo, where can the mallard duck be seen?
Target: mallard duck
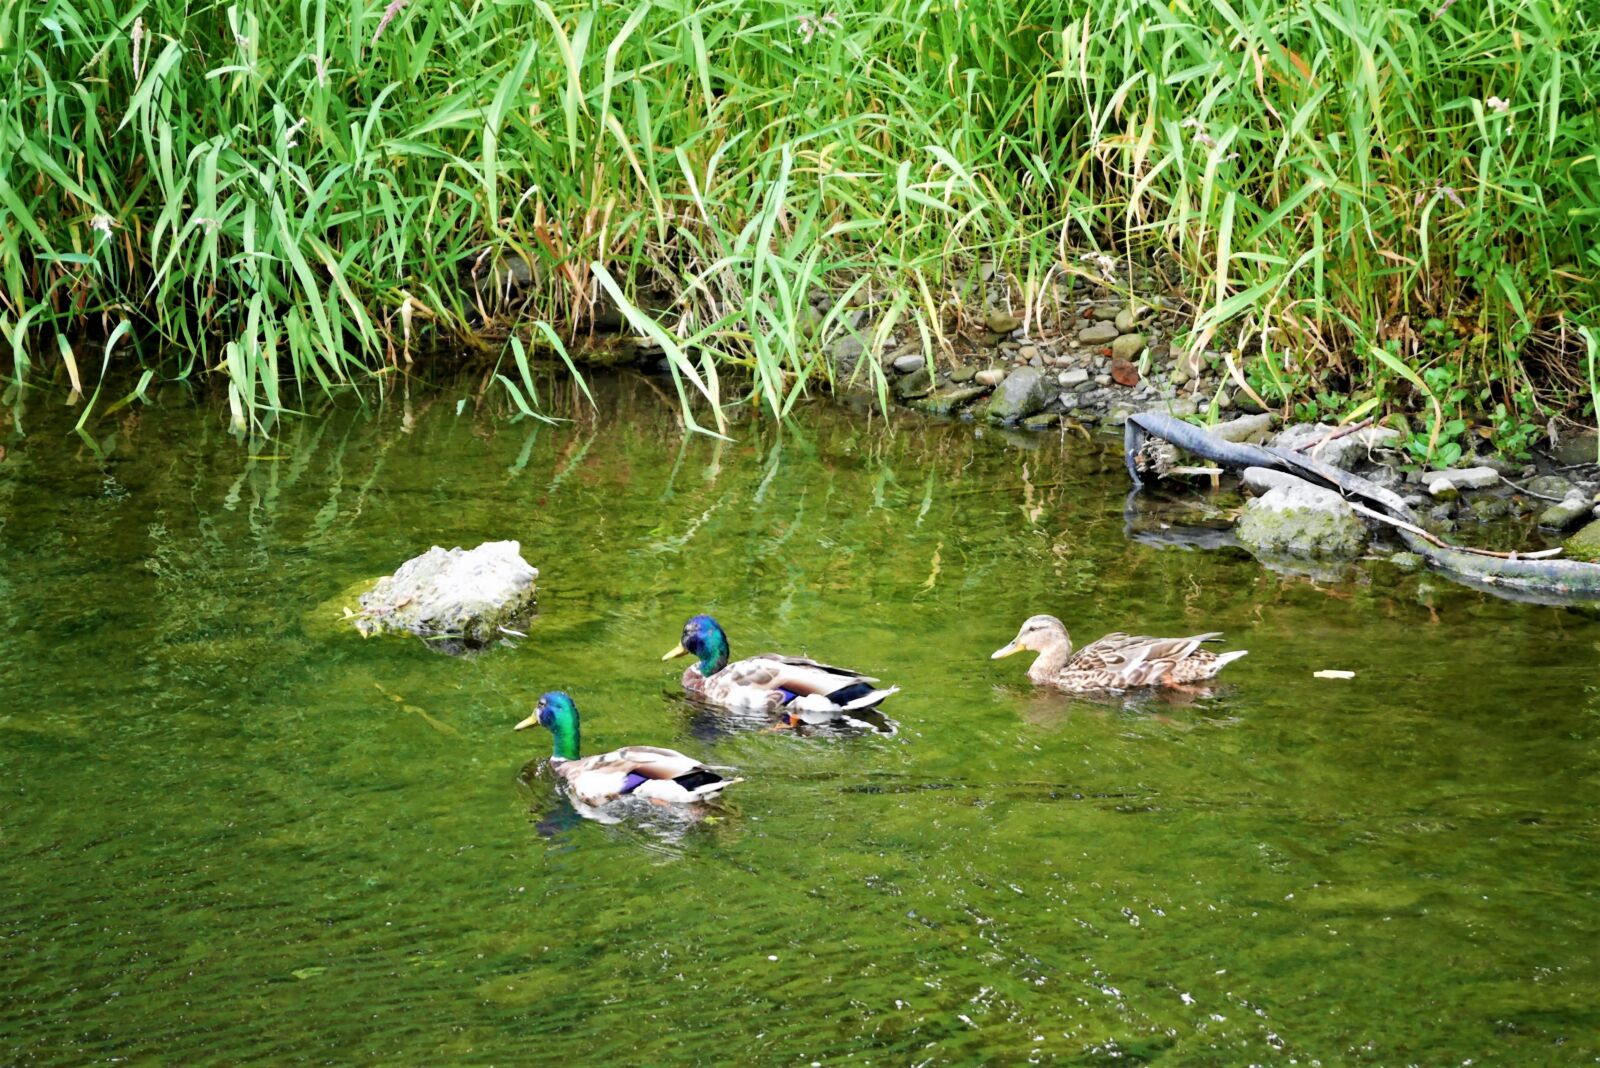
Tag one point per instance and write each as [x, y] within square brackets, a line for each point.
[804, 691]
[1117, 661]
[636, 770]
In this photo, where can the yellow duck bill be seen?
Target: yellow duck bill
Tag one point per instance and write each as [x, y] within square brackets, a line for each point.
[1006, 650]
[677, 650]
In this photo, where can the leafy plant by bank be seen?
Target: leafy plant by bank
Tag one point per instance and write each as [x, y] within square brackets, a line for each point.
[295, 195]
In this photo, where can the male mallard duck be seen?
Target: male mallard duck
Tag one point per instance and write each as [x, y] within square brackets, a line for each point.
[1117, 661]
[803, 690]
[637, 770]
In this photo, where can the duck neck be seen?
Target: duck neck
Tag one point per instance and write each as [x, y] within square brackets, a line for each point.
[564, 735]
[1051, 659]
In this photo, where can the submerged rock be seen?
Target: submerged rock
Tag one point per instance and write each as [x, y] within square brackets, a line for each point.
[1569, 513]
[919, 383]
[1585, 544]
[948, 400]
[1295, 518]
[1023, 392]
[464, 594]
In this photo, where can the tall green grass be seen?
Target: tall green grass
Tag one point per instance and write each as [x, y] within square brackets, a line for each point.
[291, 194]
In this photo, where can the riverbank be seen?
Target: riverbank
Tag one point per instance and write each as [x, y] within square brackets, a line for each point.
[310, 196]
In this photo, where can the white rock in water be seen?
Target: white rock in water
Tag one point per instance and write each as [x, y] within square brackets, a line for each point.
[465, 594]
[1295, 518]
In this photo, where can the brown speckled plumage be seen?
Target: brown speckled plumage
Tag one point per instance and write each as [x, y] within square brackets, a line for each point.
[1116, 662]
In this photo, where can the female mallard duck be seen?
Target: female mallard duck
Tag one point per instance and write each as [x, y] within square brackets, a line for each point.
[637, 770]
[1117, 661]
[803, 690]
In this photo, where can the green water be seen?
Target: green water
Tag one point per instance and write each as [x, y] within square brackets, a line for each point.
[234, 831]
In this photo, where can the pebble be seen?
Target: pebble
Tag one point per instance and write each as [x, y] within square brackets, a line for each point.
[1104, 312]
[990, 376]
[1028, 352]
[1443, 489]
[1127, 347]
[1102, 380]
[1001, 322]
[1129, 317]
[963, 373]
[1074, 376]
[1098, 334]
[906, 364]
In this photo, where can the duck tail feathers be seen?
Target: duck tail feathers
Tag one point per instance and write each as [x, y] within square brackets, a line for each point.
[1223, 659]
[870, 699]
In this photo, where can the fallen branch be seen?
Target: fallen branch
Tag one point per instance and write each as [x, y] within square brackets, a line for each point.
[1525, 574]
[1372, 513]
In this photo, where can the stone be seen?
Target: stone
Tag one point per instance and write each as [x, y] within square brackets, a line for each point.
[1581, 448]
[1223, 402]
[1069, 401]
[1073, 377]
[1098, 334]
[908, 363]
[1127, 347]
[845, 351]
[1342, 452]
[1247, 429]
[948, 400]
[1118, 414]
[1124, 373]
[1407, 561]
[1550, 486]
[1000, 321]
[1301, 520]
[1180, 407]
[1104, 313]
[1028, 353]
[1192, 363]
[1488, 509]
[1464, 478]
[990, 376]
[1569, 513]
[919, 383]
[1246, 403]
[1023, 393]
[1102, 380]
[1129, 317]
[1042, 421]
[1443, 489]
[1585, 544]
[1180, 377]
[1262, 480]
[963, 373]
[464, 595]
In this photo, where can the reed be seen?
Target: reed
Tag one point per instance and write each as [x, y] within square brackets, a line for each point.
[292, 196]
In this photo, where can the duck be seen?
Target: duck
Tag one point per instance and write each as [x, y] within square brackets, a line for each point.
[800, 690]
[661, 775]
[1116, 662]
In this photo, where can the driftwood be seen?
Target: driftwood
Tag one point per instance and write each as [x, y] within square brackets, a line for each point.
[1530, 574]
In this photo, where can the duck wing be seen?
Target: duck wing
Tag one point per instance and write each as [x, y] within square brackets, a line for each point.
[647, 770]
[794, 673]
[1137, 659]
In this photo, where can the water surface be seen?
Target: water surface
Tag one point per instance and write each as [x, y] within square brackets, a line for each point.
[234, 831]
